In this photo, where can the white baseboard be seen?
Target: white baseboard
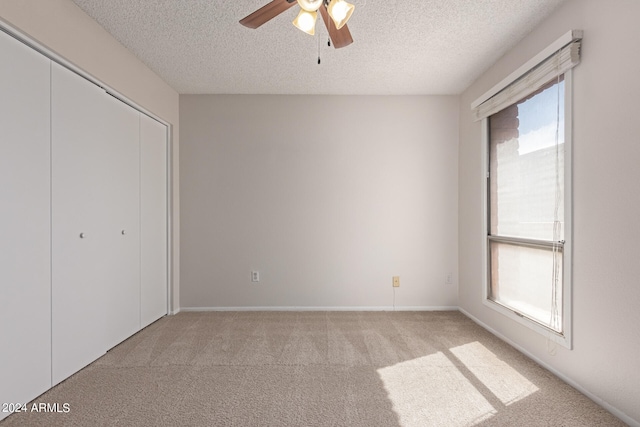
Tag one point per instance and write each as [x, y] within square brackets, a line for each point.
[307, 308]
[615, 411]
[425, 308]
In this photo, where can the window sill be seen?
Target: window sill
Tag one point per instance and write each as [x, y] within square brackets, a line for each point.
[556, 337]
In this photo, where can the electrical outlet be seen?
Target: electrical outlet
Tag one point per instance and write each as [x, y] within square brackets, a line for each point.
[255, 276]
[449, 279]
[396, 281]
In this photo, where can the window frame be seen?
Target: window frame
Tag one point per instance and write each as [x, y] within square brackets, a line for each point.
[564, 338]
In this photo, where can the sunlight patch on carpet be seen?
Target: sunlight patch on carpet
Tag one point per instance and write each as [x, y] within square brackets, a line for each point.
[430, 391]
[505, 383]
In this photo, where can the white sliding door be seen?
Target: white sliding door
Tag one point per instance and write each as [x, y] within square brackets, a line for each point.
[25, 281]
[153, 205]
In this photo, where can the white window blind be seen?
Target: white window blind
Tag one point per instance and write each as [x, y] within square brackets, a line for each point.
[527, 137]
[553, 66]
[526, 205]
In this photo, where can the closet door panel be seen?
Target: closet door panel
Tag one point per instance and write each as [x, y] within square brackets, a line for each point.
[25, 281]
[120, 191]
[79, 259]
[153, 205]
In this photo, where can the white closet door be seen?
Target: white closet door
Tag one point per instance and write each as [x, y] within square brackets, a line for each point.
[153, 205]
[95, 222]
[79, 261]
[120, 193]
[25, 281]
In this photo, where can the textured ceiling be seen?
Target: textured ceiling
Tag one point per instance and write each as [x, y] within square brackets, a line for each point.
[400, 47]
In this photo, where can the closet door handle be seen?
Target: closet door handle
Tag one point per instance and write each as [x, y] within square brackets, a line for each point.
[124, 232]
[83, 235]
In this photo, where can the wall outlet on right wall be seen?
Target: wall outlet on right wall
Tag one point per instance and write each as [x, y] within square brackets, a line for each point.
[449, 279]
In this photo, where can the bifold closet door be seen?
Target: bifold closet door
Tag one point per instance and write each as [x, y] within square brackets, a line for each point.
[153, 220]
[25, 281]
[79, 273]
[95, 222]
[121, 204]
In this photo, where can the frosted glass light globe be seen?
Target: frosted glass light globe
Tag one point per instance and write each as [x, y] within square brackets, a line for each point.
[310, 5]
[340, 11]
[306, 21]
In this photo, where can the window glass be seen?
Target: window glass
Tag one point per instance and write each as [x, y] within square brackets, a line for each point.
[526, 206]
[521, 279]
[526, 166]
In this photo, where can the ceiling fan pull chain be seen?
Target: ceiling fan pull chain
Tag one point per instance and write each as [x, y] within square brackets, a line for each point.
[318, 46]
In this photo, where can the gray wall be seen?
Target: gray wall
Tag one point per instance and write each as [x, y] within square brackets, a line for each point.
[327, 196]
[606, 291]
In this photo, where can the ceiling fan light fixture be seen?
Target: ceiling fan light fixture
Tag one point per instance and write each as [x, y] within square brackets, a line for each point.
[310, 5]
[306, 21]
[340, 11]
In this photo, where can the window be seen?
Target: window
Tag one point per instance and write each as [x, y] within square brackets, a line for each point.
[527, 123]
[526, 206]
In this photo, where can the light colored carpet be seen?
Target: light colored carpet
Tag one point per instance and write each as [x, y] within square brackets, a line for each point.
[315, 369]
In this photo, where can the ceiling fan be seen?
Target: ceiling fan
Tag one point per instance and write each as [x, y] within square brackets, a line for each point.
[335, 14]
